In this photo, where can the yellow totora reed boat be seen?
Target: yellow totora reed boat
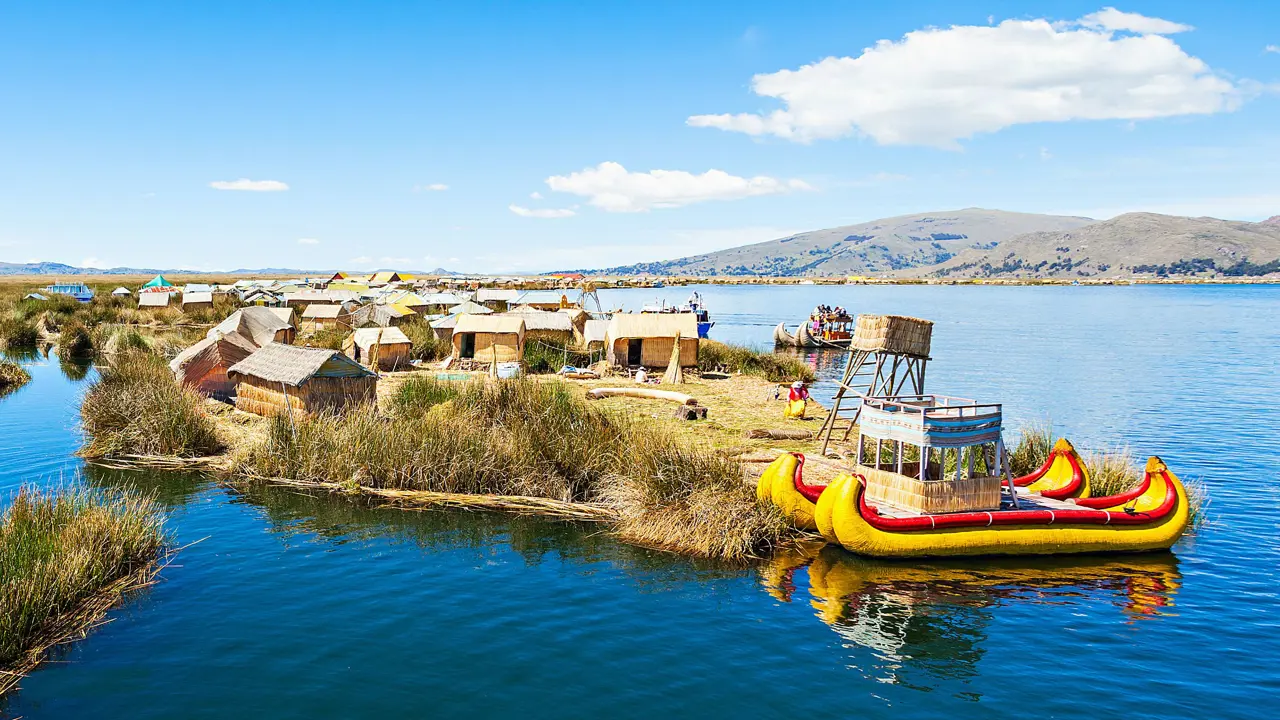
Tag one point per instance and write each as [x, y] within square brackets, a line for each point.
[1152, 516]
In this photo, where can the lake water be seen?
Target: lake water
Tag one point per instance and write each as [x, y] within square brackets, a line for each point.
[295, 606]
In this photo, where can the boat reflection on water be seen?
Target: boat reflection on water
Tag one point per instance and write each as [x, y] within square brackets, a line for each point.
[932, 617]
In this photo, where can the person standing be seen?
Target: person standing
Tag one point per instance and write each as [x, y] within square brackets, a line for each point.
[797, 401]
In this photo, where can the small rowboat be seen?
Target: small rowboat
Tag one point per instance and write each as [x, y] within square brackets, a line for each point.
[1152, 516]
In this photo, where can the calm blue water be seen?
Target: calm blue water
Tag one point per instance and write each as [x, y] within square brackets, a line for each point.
[294, 606]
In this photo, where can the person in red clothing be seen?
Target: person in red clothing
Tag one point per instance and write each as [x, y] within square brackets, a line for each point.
[797, 400]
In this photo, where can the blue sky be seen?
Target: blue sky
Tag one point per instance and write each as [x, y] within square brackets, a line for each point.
[512, 137]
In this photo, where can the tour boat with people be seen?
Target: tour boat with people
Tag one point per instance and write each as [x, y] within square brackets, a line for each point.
[826, 327]
[693, 305]
[937, 483]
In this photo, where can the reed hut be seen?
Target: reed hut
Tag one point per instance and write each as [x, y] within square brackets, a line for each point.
[443, 327]
[544, 299]
[379, 348]
[203, 367]
[286, 314]
[284, 378]
[497, 299]
[197, 301]
[374, 315]
[489, 338]
[325, 317]
[648, 339]
[594, 333]
[153, 300]
[261, 326]
[550, 327]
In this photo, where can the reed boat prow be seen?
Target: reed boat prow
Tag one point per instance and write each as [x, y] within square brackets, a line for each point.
[782, 484]
[1063, 474]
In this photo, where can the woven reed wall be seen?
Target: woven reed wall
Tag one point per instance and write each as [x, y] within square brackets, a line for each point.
[317, 394]
[931, 496]
[503, 347]
[656, 352]
[558, 337]
[392, 356]
[893, 333]
[214, 383]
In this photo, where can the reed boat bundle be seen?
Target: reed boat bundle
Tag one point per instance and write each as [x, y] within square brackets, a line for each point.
[931, 496]
[896, 334]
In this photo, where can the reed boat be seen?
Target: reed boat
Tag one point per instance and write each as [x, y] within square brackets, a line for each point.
[1152, 516]
[833, 333]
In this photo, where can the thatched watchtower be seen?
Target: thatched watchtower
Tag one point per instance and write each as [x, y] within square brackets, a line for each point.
[308, 380]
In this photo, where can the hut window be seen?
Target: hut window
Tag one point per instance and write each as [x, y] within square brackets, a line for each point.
[468, 345]
[635, 348]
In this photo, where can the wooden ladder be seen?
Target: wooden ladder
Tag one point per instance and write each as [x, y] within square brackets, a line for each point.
[869, 373]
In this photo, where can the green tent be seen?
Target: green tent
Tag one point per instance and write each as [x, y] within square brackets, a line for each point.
[157, 281]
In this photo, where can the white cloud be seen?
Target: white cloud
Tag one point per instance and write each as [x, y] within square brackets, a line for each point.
[1045, 154]
[1109, 18]
[93, 262]
[308, 241]
[541, 212]
[609, 186]
[1272, 49]
[940, 85]
[535, 195]
[433, 187]
[364, 261]
[249, 185]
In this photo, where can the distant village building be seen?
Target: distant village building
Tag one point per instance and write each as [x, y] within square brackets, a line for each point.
[153, 300]
[497, 299]
[489, 338]
[386, 348]
[325, 317]
[554, 328]
[121, 292]
[158, 284]
[648, 339]
[197, 301]
[287, 379]
[544, 299]
[374, 315]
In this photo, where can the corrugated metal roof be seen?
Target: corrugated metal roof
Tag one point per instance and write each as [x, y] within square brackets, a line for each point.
[506, 324]
[295, 365]
[197, 288]
[441, 299]
[652, 325]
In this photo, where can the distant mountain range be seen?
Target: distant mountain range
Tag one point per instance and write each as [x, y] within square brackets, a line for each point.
[53, 268]
[879, 246]
[978, 243]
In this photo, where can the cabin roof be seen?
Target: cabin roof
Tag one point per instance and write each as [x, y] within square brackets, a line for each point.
[295, 365]
[196, 297]
[542, 320]
[323, 312]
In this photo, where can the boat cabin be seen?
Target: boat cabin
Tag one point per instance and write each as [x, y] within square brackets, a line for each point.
[932, 453]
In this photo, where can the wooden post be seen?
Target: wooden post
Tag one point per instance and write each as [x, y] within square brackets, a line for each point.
[898, 457]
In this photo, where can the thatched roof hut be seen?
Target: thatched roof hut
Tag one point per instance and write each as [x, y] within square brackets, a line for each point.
[648, 338]
[325, 317]
[283, 378]
[375, 315]
[489, 338]
[203, 367]
[378, 347]
[593, 334]
[261, 326]
[121, 292]
[550, 327]
[286, 314]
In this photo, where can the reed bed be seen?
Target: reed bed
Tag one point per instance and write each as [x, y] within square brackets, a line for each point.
[67, 557]
[426, 346]
[136, 408]
[772, 366]
[12, 377]
[526, 439]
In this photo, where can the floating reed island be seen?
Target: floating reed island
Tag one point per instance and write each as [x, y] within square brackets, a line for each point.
[67, 557]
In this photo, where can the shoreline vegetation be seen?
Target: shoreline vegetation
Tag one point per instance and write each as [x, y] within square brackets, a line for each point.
[67, 556]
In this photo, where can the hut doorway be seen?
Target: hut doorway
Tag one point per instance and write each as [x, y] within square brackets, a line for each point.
[468, 349]
[635, 351]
